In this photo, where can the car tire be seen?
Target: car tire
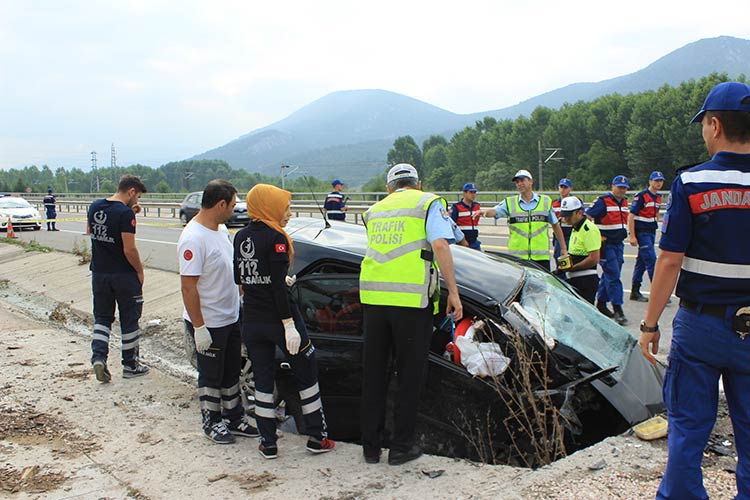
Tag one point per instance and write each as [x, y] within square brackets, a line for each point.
[183, 218]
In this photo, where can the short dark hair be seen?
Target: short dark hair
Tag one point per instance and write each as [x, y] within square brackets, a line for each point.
[128, 181]
[736, 124]
[404, 182]
[217, 190]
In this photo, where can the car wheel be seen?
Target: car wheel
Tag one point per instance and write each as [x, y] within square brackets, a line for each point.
[183, 218]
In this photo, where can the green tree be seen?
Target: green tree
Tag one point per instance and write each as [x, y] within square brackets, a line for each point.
[405, 150]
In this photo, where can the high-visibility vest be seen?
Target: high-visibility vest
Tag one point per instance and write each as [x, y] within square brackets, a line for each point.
[398, 268]
[528, 229]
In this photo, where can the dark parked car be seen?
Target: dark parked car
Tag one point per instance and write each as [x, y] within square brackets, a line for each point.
[192, 204]
[593, 380]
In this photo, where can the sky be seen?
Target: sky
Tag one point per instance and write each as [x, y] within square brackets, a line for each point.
[165, 80]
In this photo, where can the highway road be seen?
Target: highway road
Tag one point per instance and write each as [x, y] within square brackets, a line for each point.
[157, 243]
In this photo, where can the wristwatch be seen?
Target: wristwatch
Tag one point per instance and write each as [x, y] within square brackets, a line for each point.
[648, 329]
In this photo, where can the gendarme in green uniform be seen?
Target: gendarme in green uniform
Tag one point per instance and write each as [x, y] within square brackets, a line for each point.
[398, 268]
[528, 238]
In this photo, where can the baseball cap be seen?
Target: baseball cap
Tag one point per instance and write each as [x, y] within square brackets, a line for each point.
[620, 181]
[469, 186]
[727, 96]
[570, 205]
[656, 176]
[522, 173]
[401, 171]
[336, 181]
[565, 182]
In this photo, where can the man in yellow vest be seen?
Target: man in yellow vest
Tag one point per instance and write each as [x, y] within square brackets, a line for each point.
[528, 214]
[408, 233]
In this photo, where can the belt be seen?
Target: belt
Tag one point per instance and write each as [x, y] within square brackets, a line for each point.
[717, 310]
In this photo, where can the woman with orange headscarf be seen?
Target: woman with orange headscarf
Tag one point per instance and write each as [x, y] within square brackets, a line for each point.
[262, 253]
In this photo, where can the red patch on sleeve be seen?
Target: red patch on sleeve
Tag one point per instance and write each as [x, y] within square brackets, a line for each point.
[280, 248]
[188, 255]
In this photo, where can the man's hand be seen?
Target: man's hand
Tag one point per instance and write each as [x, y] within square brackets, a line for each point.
[203, 339]
[633, 240]
[292, 336]
[646, 340]
[454, 306]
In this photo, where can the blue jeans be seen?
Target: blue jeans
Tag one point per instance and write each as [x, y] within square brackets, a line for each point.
[610, 286]
[703, 349]
[646, 257]
[124, 290]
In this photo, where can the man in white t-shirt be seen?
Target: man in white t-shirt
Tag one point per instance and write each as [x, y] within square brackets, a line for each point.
[212, 313]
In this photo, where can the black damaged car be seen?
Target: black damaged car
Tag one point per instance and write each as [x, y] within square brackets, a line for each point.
[587, 375]
[574, 376]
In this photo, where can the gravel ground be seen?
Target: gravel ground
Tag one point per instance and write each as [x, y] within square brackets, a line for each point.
[63, 435]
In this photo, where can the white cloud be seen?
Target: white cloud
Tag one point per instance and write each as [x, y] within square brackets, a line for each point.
[187, 76]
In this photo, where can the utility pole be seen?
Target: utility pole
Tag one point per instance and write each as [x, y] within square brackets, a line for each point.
[94, 169]
[542, 161]
[283, 175]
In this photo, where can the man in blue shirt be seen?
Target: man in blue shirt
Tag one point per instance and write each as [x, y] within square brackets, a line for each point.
[529, 201]
[643, 220]
[335, 204]
[116, 277]
[610, 214]
[703, 243]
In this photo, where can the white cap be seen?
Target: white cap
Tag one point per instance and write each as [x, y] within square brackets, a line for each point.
[522, 173]
[401, 171]
[569, 205]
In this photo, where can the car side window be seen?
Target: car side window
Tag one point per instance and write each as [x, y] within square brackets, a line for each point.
[330, 304]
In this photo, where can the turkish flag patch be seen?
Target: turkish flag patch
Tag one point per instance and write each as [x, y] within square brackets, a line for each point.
[188, 255]
[280, 248]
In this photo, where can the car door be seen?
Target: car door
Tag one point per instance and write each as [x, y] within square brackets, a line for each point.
[330, 307]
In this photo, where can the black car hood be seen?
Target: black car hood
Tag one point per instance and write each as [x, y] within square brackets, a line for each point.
[490, 278]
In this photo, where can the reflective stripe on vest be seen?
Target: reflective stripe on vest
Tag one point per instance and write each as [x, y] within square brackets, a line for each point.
[393, 272]
[528, 237]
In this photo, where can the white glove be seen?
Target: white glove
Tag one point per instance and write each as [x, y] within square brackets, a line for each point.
[202, 339]
[290, 280]
[292, 336]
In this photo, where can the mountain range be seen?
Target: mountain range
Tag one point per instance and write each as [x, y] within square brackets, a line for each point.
[348, 133]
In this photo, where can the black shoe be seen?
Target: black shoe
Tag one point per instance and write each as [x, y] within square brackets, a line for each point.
[396, 457]
[319, 445]
[268, 452]
[136, 370]
[101, 371]
[602, 307]
[242, 427]
[620, 318]
[635, 293]
[218, 433]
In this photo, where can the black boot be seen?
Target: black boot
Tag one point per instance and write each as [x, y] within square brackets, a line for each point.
[619, 315]
[602, 307]
[635, 293]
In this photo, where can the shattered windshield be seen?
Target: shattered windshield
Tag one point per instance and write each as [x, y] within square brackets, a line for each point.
[573, 321]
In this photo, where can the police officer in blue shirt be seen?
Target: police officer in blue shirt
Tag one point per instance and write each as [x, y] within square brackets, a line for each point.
[703, 242]
[50, 212]
[643, 220]
[610, 214]
[335, 204]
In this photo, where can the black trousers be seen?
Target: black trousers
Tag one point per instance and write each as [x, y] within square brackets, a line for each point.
[586, 286]
[125, 291]
[261, 339]
[404, 332]
[219, 373]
